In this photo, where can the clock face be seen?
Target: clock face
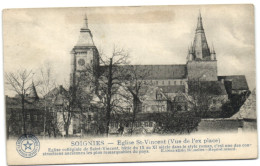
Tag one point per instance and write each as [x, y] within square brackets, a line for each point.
[81, 62]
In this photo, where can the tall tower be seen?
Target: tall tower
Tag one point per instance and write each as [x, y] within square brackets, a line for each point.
[84, 58]
[201, 63]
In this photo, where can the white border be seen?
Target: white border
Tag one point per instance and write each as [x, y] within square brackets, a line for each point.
[82, 3]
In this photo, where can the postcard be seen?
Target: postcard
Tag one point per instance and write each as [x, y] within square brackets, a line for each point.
[130, 84]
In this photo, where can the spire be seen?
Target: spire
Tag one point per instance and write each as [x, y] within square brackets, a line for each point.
[86, 22]
[199, 24]
[213, 50]
[200, 46]
[85, 37]
[213, 53]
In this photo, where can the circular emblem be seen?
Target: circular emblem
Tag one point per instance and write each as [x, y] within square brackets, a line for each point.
[81, 62]
[28, 146]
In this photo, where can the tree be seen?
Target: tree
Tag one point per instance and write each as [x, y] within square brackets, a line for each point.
[109, 82]
[176, 122]
[136, 83]
[47, 84]
[20, 83]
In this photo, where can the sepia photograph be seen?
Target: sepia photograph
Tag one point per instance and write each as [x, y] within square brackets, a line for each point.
[107, 79]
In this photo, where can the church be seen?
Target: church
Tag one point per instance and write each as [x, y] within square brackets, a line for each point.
[172, 87]
[171, 80]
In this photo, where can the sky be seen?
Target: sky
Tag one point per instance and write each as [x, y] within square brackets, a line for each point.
[151, 34]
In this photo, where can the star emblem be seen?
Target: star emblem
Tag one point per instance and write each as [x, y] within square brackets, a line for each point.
[27, 145]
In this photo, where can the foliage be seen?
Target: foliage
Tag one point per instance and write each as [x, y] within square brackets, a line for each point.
[177, 123]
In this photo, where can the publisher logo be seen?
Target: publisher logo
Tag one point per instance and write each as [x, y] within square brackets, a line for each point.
[28, 146]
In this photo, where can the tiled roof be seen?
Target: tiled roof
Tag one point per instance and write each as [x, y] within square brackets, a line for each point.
[238, 81]
[248, 109]
[15, 103]
[156, 72]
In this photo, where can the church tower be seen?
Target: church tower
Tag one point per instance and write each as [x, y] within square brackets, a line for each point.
[84, 59]
[201, 63]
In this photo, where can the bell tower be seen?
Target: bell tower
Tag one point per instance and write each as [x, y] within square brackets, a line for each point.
[84, 59]
[201, 62]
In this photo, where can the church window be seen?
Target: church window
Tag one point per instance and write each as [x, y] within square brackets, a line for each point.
[150, 124]
[156, 82]
[163, 82]
[181, 82]
[174, 82]
[28, 116]
[169, 82]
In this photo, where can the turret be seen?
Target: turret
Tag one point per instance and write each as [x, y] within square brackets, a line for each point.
[213, 54]
[190, 56]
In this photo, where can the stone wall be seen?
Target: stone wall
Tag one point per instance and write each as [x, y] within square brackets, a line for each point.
[226, 125]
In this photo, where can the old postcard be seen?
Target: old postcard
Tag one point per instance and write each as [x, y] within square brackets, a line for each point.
[130, 84]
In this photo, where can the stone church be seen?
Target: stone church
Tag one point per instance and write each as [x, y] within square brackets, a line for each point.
[172, 85]
[173, 79]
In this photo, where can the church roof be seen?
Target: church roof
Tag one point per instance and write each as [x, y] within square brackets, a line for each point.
[85, 37]
[158, 72]
[209, 87]
[248, 109]
[200, 46]
[238, 81]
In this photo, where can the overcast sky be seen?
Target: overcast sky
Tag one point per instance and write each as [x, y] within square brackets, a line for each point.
[153, 35]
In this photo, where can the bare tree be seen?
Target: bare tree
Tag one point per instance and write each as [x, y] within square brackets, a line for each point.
[136, 84]
[47, 84]
[110, 80]
[20, 82]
